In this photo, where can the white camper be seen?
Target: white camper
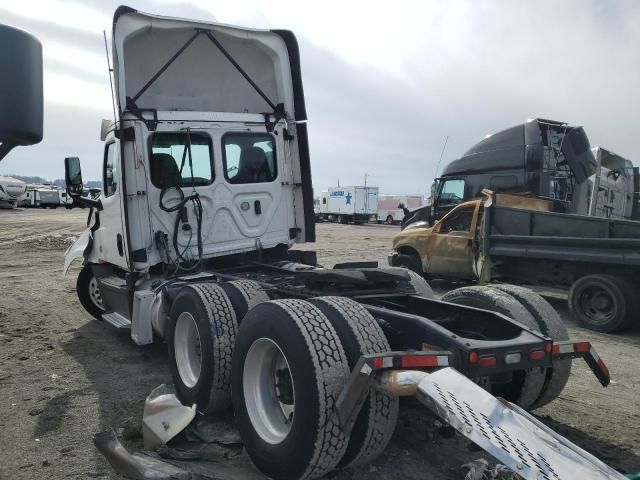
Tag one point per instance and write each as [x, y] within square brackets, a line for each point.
[390, 207]
[349, 204]
[65, 200]
[42, 196]
[12, 191]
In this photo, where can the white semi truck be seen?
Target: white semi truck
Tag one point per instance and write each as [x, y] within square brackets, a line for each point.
[355, 204]
[207, 188]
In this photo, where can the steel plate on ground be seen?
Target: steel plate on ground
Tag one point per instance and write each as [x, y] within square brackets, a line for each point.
[507, 432]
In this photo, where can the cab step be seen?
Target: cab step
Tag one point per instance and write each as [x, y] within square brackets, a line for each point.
[117, 320]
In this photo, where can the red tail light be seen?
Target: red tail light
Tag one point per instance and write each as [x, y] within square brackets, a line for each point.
[473, 357]
[487, 361]
[581, 347]
[535, 355]
[419, 361]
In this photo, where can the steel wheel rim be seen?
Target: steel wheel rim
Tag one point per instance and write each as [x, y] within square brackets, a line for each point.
[187, 349]
[269, 393]
[597, 304]
[94, 293]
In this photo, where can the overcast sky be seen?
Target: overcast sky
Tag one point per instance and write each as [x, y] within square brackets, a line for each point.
[385, 82]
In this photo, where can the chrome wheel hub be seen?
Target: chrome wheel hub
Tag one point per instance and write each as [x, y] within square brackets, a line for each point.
[187, 349]
[269, 393]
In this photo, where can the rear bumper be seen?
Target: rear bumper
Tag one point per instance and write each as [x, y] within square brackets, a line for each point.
[369, 367]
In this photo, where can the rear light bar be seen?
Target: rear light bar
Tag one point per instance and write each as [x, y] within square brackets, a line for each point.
[583, 350]
[353, 395]
[418, 359]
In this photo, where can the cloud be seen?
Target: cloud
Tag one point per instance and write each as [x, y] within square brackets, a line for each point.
[385, 84]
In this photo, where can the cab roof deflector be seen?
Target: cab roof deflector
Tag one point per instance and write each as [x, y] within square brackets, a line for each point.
[278, 110]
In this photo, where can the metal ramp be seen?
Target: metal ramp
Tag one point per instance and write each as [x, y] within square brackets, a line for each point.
[507, 432]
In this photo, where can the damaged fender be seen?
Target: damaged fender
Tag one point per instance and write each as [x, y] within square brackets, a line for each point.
[80, 248]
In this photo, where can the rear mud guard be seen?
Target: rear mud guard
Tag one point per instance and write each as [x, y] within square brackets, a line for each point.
[507, 432]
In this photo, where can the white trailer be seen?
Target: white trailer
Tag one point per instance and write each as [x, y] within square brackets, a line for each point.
[12, 191]
[41, 196]
[65, 200]
[390, 207]
[349, 204]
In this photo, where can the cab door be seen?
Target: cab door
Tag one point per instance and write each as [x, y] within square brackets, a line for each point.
[109, 239]
[450, 251]
[257, 181]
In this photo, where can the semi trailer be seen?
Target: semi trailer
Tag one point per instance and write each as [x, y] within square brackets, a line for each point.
[207, 189]
[355, 204]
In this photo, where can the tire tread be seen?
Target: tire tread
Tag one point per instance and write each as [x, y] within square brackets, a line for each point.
[331, 370]
[382, 412]
[224, 327]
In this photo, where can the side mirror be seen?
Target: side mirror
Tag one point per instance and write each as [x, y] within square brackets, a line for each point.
[20, 89]
[73, 176]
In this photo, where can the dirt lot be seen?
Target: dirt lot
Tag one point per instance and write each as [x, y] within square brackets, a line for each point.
[65, 377]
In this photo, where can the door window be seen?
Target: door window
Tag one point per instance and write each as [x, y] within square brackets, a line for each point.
[171, 165]
[458, 221]
[110, 174]
[249, 158]
[452, 192]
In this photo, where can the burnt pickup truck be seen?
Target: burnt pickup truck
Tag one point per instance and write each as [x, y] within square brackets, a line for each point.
[518, 239]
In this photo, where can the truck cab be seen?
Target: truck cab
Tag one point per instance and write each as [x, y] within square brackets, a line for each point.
[205, 165]
[543, 158]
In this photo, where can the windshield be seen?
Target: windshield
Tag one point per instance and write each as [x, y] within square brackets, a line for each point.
[452, 191]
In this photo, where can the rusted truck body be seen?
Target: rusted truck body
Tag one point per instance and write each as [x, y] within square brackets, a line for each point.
[518, 239]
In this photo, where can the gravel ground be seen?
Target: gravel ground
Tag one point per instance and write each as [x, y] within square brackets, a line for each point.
[65, 377]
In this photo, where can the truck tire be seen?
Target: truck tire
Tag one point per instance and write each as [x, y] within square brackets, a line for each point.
[288, 427]
[602, 302]
[89, 292]
[389, 220]
[201, 336]
[526, 386]
[360, 335]
[244, 295]
[341, 219]
[420, 285]
[409, 261]
[551, 325]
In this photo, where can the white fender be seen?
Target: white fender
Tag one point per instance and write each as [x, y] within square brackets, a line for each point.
[77, 250]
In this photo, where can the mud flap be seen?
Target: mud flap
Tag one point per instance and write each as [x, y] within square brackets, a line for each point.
[508, 433]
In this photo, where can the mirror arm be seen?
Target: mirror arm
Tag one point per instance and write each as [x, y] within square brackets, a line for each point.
[89, 202]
